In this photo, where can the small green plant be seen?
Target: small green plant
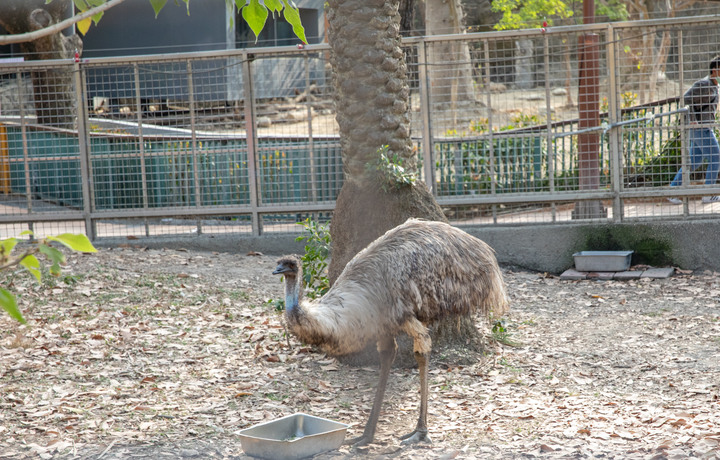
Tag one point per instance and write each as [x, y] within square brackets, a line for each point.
[391, 170]
[522, 120]
[501, 334]
[315, 259]
[30, 262]
[277, 304]
[479, 126]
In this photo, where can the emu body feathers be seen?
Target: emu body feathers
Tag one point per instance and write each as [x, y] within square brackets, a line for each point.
[414, 275]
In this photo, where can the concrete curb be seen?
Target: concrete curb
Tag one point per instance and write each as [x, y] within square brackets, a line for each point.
[651, 273]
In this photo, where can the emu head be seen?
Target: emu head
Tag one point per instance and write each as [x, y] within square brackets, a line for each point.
[288, 266]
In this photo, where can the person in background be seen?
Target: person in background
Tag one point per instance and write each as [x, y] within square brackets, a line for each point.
[702, 101]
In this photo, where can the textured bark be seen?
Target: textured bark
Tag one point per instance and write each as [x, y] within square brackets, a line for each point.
[452, 82]
[372, 100]
[451, 78]
[407, 17]
[53, 87]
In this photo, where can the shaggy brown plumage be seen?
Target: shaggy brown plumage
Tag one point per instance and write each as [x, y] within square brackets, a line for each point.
[405, 280]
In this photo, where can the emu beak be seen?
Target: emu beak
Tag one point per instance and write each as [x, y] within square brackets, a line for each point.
[279, 270]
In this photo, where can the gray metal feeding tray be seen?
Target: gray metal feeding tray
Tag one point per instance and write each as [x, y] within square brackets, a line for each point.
[602, 261]
[292, 437]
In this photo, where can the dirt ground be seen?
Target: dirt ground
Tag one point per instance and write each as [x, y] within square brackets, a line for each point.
[137, 353]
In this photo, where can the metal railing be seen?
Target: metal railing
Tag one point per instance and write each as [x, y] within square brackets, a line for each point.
[187, 143]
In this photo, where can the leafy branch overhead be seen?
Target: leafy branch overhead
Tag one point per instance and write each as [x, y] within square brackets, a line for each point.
[528, 14]
[254, 12]
[29, 261]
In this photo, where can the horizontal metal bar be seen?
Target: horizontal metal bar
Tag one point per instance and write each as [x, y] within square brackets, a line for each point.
[41, 217]
[140, 213]
[525, 198]
[579, 131]
[211, 211]
[675, 192]
[649, 117]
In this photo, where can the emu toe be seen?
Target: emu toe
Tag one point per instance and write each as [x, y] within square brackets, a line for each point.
[360, 441]
[415, 437]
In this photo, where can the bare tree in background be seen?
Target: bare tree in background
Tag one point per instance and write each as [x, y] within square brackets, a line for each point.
[647, 51]
[53, 87]
[451, 83]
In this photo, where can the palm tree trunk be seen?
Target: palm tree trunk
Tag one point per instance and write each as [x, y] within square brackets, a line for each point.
[372, 107]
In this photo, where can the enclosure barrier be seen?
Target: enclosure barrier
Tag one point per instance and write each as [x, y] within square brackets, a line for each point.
[245, 141]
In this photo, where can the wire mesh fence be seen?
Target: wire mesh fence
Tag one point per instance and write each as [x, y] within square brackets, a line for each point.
[520, 127]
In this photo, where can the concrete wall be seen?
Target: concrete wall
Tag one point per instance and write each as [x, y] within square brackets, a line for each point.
[690, 245]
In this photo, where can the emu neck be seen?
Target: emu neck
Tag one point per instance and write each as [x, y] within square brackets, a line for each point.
[293, 292]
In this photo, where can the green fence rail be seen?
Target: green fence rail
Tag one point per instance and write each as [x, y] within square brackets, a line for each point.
[288, 169]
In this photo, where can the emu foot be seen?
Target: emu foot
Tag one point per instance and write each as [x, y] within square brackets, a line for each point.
[415, 437]
[360, 441]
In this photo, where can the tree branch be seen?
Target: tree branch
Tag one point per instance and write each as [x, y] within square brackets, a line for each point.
[55, 28]
[16, 261]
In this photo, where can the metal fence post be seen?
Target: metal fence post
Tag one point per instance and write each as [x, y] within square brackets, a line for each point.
[684, 150]
[311, 144]
[193, 130]
[549, 134]
[615, 139]
[427, 141]
[251, 141]
[141, 144]
[26, 155]
[491, 139]
[84, 151]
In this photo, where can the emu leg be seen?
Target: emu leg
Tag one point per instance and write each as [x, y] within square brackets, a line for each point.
[387, 349]
[421, 432]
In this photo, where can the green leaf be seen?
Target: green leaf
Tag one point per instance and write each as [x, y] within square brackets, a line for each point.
[274, 5]
[6, 247]
[255, 15]
[32, 264]
[157, 6]
[8, 303]
[55, 269]
[292, 16]
[55, 256]
[81, 5]
[97, 17]
[76, 242]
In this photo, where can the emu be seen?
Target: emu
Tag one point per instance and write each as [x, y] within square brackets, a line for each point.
[409, 278]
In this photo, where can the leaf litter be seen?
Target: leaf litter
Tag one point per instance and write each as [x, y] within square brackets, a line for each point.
[143, 353]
